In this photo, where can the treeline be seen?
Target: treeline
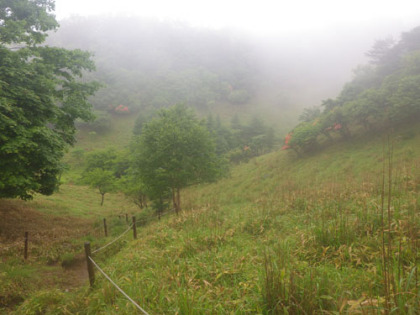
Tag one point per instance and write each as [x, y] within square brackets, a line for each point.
[241, 140]
[170, 150]
[147, 64]
[238, 141]
[382, 95]
[174, 150]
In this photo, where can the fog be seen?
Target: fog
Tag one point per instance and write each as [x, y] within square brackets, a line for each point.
[151, 62]
[262, 18]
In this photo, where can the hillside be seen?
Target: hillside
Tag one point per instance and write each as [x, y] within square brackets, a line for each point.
[146, 64]
[278, 235]
[229, 219]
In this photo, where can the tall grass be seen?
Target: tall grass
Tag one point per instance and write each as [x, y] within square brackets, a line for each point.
[279, 236]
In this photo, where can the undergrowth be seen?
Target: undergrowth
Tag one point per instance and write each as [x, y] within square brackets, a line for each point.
[333, 233]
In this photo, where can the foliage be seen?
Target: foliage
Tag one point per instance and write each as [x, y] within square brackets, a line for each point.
[102, 170]
[174, 151]
[166, 64]
[241, 142]
[132, 186]
[380, 96]
[310, 114]
[103, 180]
[280, 235]
[304, 136]
[40, 98]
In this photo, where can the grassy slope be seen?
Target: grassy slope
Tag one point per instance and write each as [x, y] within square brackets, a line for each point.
[280, 234]
[118, 136]
[58, 225]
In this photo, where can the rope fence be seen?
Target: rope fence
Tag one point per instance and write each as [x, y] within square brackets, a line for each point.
[24, 245]
[113, 241]
[117, 287]
[91, 263]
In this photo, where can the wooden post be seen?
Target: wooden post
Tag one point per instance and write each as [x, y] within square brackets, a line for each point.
[105, 228]
[134, 228]
[25, 253]
[90, 269]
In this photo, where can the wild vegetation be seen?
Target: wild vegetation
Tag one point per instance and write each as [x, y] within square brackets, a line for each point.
[382, 96]
[288, 245]
[166, 63]
[331, 227]
[41, 96]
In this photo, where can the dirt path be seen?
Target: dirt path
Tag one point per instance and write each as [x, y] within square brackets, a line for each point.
[50, 239]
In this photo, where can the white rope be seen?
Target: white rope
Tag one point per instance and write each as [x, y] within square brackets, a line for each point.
[105, 246]
[115, 285]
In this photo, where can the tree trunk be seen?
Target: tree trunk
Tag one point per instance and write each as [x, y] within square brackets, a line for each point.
[103, 197]
[174, 201]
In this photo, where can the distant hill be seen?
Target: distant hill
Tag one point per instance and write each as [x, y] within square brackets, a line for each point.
[148, 64]
[381, 97]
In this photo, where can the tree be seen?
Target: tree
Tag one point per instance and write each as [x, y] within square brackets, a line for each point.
[134, 188]
[101, 171]
[104, 181]
[40, 99]
[304, 137]
[174, 151]
[380, 50]
[310, 114]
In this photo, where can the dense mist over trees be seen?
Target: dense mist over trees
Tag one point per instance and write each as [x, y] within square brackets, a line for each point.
[148, 64]
[382, 95]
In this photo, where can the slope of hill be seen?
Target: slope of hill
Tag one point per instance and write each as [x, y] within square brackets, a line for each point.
[382, 95]
[146, 64]
[337, 231]
[331, 227]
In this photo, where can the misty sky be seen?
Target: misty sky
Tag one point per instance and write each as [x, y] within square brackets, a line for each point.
[262, 17]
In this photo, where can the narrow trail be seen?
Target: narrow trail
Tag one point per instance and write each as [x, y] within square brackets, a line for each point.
[49, 237]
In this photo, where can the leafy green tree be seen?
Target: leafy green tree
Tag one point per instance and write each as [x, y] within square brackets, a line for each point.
[380, 50]
[135, 189]
[381, 95]
[142, 118]
[304, 137]
[40, 99]
[101, 171]
[406, 100]
[103, 180]
[174, 151]
[368, 109]
[310, 114]
[104, 159]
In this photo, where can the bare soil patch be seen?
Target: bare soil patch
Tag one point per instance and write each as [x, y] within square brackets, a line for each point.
[50, 237]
